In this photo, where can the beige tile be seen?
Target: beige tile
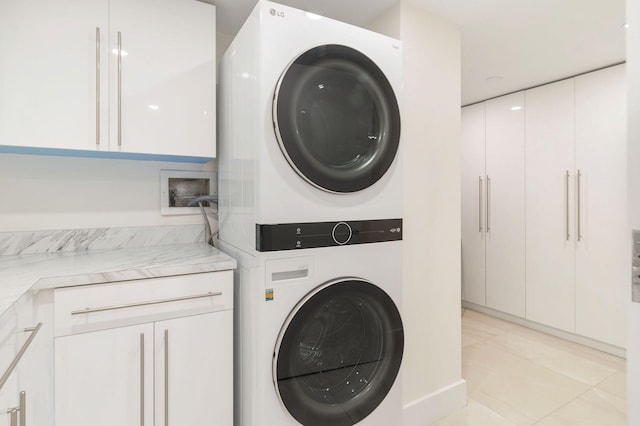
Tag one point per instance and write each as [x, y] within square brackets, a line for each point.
[477, 327]
[561, 359]
[603, 358]
[474, 414]
[524, 376]
[531, 390]
[605, 400]
[510, 413]
[594, 408]
[616, 384]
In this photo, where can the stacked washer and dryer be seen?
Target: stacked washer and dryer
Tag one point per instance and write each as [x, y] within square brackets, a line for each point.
[310, 190]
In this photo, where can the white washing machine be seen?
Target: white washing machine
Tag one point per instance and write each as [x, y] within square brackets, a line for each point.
[309, 124]
[319, 337]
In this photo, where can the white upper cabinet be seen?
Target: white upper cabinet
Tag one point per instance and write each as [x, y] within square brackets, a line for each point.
[505, 222]
[473, 204]
[65, 84]
[162, 97]
[602, 250]
[550, 177]
[48, 73]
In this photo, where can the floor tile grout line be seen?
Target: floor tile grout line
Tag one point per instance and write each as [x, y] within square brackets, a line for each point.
[563, 405]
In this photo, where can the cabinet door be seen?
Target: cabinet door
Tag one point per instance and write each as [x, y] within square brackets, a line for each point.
[602, 252]
[473, 206]
[505, 242]
[48, 73]
[35, 377]
[105, 378]
[197, 353]
[9, 347]
[550, 245]
[166, 104]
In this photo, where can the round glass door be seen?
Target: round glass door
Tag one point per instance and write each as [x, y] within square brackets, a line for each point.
[338, 354]
[336, 119]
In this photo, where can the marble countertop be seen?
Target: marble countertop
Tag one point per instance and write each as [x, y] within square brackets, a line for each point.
[22, 273]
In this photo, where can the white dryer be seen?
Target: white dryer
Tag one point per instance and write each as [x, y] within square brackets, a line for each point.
[319, 337]
[309, 124]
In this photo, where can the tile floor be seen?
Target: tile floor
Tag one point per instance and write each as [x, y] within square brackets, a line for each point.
[518, 376]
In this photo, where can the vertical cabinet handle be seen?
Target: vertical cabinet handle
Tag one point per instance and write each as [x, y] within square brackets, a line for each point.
[141, 379]
[488, 204]
[567, 204]
[19, 412]
[480, 204]
[23, 408]
[97, 86]
[166, 377]
[13, 413]
[119, 88]
[578, 206]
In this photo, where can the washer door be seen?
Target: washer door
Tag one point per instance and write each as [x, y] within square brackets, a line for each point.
[336, 119]
[338, 353]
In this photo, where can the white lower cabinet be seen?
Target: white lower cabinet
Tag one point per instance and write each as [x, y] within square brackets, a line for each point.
[105, 378]
[26, 362]
[149, 352]
[196, 353]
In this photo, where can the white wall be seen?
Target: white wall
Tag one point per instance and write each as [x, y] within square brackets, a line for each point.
[47, 192]
[431, 138]
[633, 81]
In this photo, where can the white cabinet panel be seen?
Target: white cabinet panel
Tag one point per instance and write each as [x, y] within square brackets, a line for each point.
[98, 377]
[602, 252]
[60, 84]
[505, 243]
[550, 245]
[200, 365]
[167, 100]
[48, 73]
[473, 206]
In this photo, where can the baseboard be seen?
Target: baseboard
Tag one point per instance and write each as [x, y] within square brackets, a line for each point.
[433, 407]
[581, 340]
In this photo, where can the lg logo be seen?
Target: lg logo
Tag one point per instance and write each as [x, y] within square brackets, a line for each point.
[274, 12]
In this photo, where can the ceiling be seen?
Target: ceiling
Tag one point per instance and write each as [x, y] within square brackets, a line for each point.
[507, 45]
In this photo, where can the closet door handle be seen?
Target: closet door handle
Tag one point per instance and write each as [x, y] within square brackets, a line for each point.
[97, 86]
[141, 379]
[488, 204]
[578, 206]
[119, 89]
[567, 204]
[166, 377]
[480, 204]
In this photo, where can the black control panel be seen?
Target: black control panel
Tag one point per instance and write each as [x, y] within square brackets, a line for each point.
[292, 236]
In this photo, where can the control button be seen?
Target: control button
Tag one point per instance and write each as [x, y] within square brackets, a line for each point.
[341, 233]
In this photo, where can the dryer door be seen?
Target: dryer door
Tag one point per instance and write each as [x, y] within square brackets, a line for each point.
[338, 353]
[336, 119]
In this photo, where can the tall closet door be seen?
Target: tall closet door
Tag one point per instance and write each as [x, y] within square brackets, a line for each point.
[602, 250]
[550, 245]
[473, 206]
[505, 222]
